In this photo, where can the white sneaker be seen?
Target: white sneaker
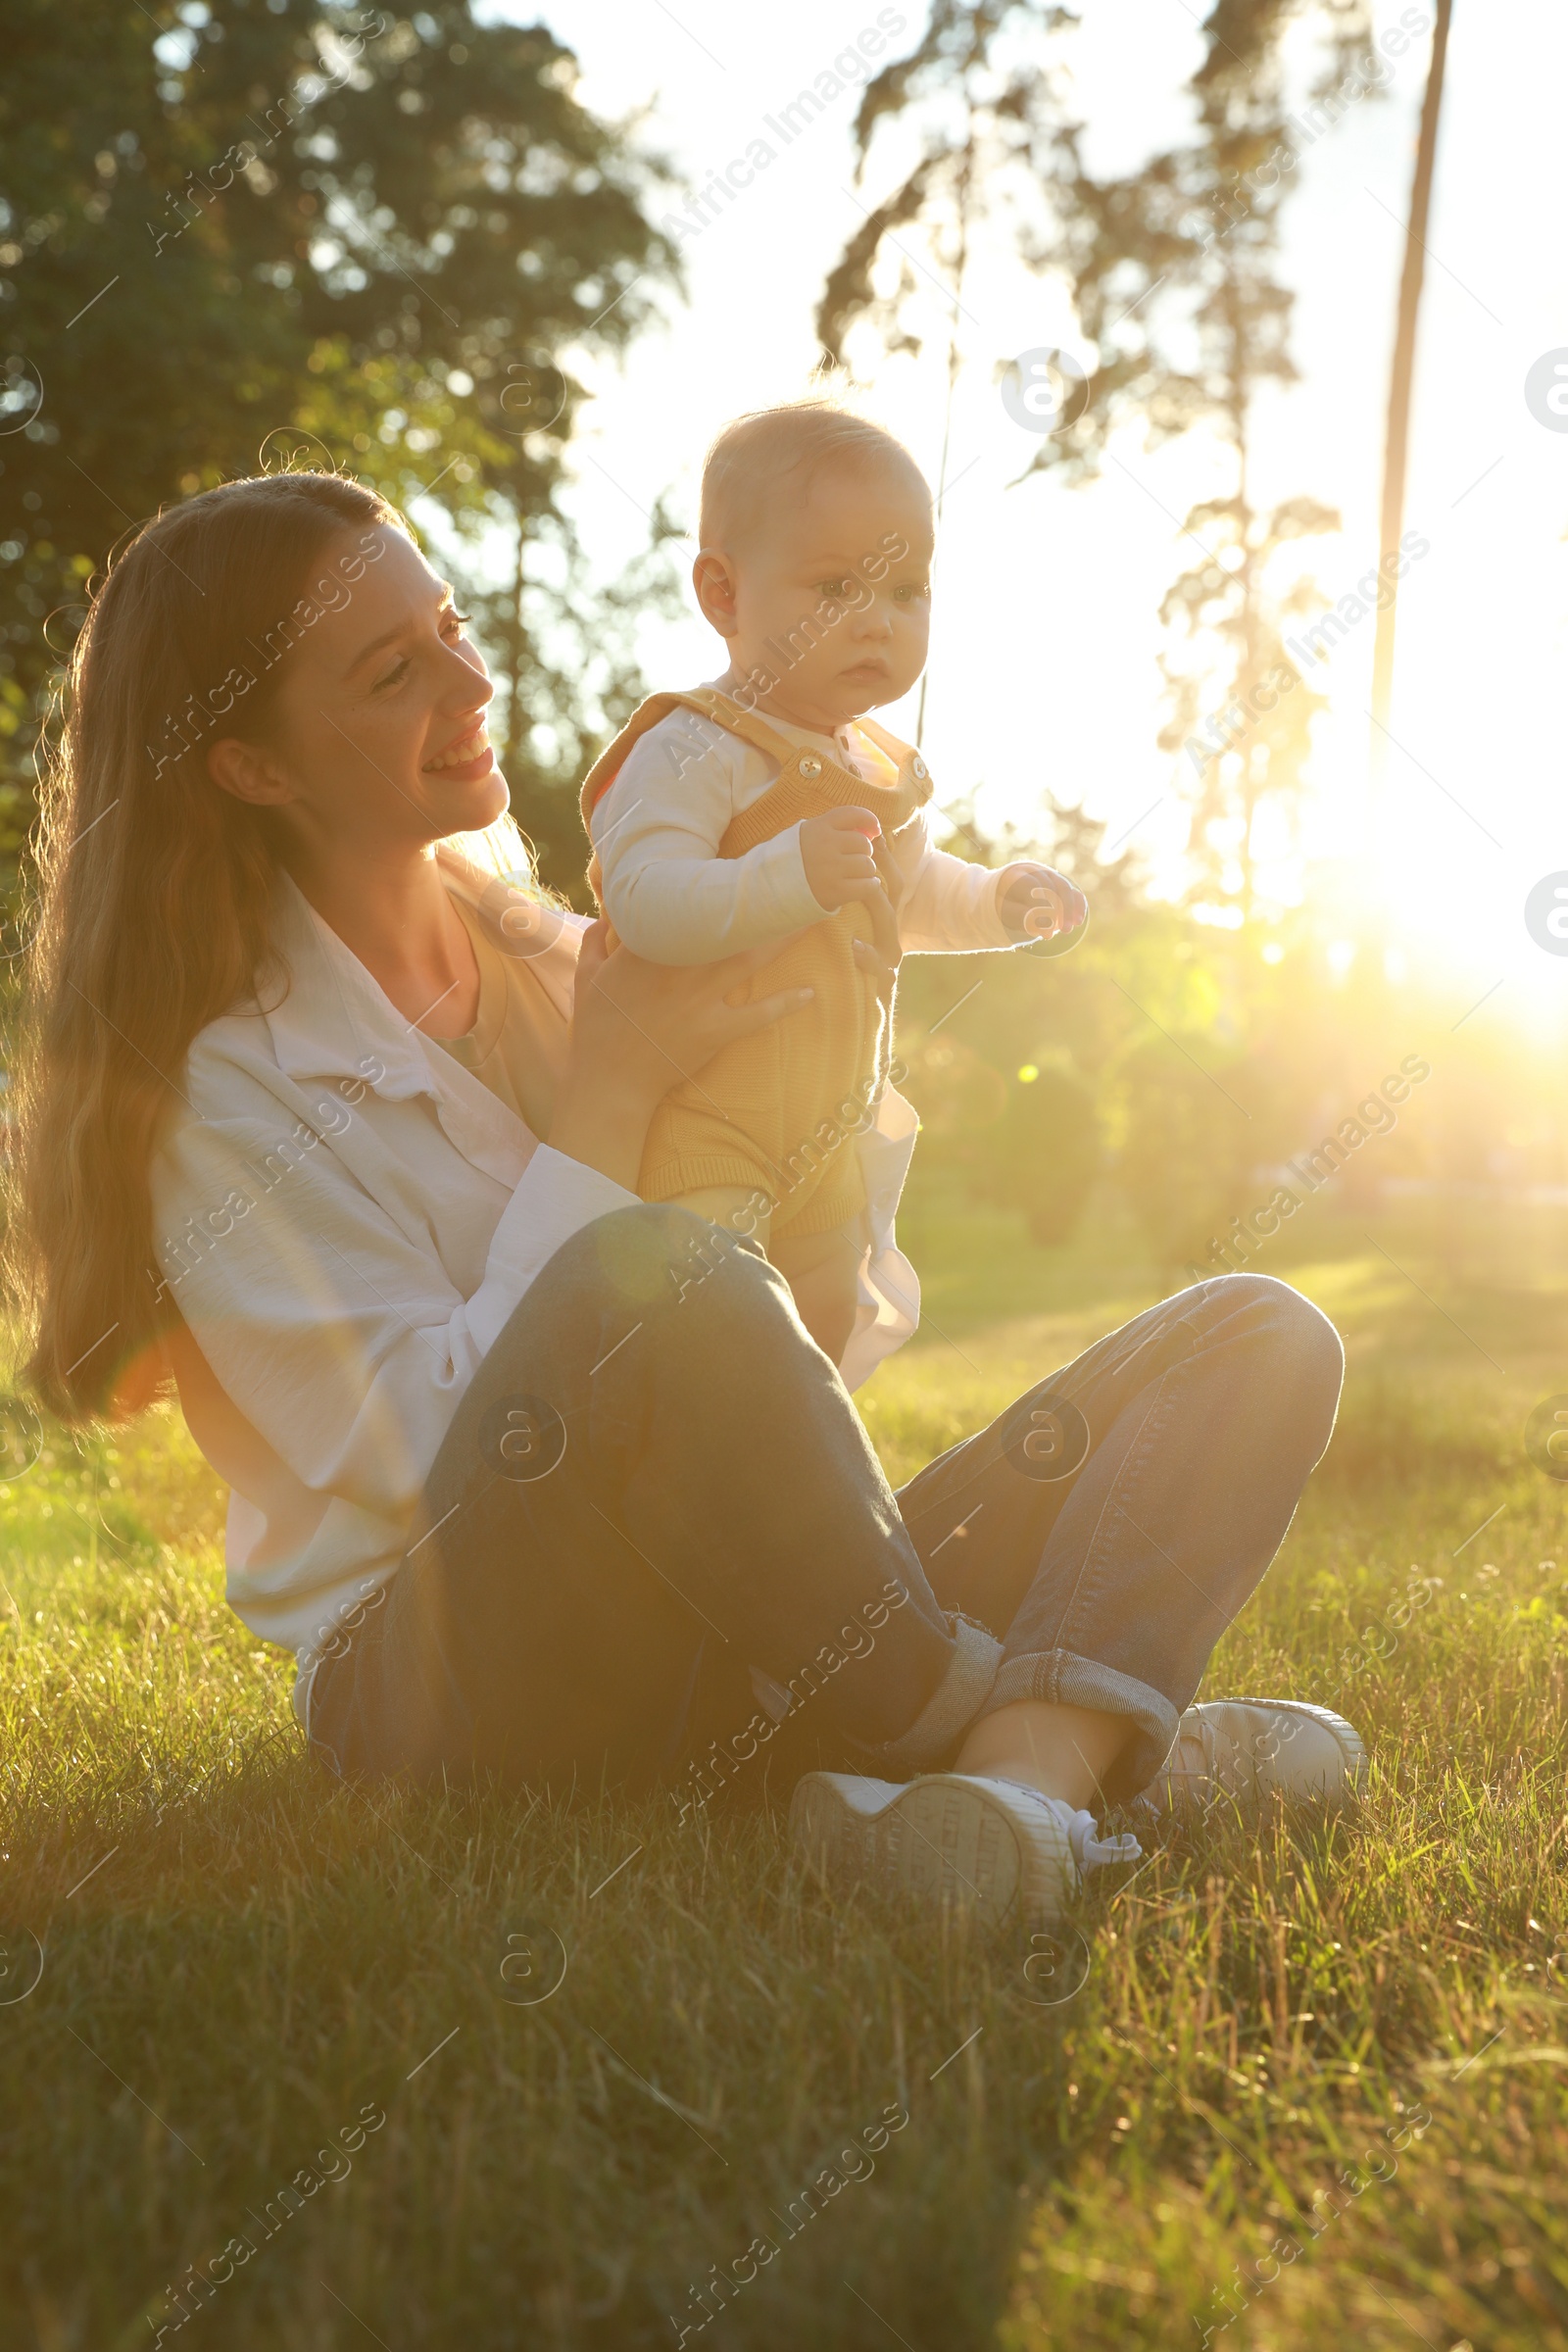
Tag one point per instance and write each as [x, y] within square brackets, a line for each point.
[954, 1836]
[1246, 1749]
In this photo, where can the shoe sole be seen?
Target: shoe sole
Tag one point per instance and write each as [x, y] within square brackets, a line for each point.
[936, 1843]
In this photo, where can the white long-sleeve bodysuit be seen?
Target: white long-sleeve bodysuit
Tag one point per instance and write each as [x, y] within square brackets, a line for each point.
[673, 899]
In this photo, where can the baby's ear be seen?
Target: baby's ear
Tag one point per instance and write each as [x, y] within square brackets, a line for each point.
[715, 585]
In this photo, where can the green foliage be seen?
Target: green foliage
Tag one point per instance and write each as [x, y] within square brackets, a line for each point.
[1171, 270]
[243, 235]
[1218, 1052]
[1184, 1159]
[1045, 1152]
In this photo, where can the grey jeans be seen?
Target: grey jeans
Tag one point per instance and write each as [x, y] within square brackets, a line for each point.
[657, 1533]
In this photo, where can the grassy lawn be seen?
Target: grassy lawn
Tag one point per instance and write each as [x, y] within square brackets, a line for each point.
[1306, 2084]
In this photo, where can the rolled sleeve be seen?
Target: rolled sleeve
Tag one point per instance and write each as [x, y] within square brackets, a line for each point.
[556, 1198]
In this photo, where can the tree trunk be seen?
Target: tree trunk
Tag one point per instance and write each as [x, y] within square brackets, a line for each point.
[965, 175]
[1396, 447]
[515, 646]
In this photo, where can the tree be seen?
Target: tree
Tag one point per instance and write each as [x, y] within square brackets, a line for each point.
[1185, 1157]
[1171, 275]
[236, 234]
[562, 648]
[1401, 379]
[1044, 1151]
[1064, 836]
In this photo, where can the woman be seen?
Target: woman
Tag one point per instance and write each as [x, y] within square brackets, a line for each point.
[338, 1128]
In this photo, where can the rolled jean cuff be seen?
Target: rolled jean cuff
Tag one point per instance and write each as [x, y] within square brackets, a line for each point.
[1064, 1680]
[959, 1696]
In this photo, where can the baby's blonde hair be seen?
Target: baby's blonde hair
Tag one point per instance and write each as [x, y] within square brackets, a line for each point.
[753, 456]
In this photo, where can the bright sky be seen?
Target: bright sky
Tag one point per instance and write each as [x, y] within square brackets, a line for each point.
[1044, 631]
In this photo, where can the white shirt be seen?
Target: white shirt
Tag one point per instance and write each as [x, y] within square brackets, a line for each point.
[673, 899]
[347, 1218]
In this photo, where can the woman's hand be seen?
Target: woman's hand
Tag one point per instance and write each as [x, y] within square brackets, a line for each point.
[638, 1029]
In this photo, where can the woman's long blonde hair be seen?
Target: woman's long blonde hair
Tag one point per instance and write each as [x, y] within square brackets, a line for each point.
[154, 906]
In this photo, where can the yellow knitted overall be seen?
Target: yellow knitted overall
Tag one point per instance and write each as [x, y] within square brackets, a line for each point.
[772, 1112]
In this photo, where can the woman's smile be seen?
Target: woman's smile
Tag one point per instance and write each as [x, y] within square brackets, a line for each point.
[467, 759]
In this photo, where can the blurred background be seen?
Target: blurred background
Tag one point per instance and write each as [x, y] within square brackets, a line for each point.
[1128, 278]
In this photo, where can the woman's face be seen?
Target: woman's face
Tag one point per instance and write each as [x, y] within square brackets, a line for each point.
[377, 731]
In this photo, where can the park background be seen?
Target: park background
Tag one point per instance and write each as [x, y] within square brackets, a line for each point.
[482, 259]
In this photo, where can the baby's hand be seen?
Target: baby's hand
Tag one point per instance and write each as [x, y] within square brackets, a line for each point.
[1035, 902]
[836, 853]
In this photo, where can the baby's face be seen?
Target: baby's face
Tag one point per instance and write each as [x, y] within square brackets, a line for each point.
[831, 601]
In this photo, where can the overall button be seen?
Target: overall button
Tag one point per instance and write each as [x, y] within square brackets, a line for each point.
[810, 767]
[918, 765]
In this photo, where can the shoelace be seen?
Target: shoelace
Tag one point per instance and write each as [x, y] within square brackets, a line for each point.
[1090, 1850]
[1093, 1852]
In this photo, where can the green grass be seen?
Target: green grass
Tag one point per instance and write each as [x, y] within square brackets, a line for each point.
[242, 1959]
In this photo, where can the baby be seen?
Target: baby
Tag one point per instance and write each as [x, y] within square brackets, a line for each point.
[747, 810]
